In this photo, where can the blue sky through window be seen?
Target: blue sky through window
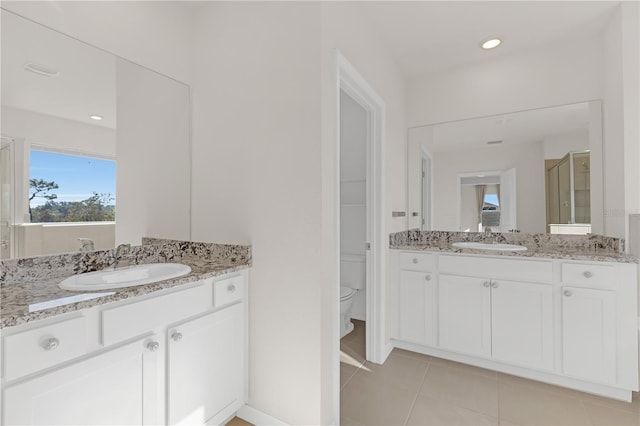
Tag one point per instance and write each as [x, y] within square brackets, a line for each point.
[78, 177]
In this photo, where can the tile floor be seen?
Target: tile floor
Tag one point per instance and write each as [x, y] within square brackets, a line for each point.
[415, 389]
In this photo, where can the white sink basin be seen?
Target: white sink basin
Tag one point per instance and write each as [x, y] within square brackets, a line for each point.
[125, 277]
[489, 246]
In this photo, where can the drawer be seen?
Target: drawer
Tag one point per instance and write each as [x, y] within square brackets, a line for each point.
[43, 347]
[228, 290]
[416, 261]
[509, 268]
[134, 319]
[585, 273]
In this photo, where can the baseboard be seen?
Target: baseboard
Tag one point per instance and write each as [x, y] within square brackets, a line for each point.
[257, 417]
[386, 351]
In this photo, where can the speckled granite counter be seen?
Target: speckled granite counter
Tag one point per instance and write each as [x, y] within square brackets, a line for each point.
[552, 246]
[29, 287]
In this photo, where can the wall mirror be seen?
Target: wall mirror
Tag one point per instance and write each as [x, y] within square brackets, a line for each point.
[537, 171]
[95, 149]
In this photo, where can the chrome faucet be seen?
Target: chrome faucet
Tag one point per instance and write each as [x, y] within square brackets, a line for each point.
[121, 251]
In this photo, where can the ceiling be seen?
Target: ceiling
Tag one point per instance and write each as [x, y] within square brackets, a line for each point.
[423, 37]
[433, 36]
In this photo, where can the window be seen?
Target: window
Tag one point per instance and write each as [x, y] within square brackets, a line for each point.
[491, 208]
[71, 188]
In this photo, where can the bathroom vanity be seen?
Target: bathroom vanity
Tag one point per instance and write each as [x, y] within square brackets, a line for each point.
[567, 318]
[171, 352]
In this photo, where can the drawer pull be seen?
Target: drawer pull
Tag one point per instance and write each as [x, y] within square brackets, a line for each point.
[587, 274]
[415, 260]
[153, 346]
[495, 285]
[176, 336]
[428, 278]
[568, 293]
[486, 284]
[231, 288]
[50, 344]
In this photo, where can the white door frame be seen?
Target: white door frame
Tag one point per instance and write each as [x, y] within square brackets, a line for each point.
[352, 83]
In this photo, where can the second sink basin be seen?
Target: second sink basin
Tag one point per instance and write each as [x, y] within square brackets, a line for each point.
[488, 246]
[125, 277]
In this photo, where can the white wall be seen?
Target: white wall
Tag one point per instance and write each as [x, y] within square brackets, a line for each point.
[256, 180]
[557, 146]
[528, 161]
[537, 78]
[155, 34]
[59, 133]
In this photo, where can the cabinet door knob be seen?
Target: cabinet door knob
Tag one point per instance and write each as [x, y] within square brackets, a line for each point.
[153, 346]
[50, 344]
[415, 260]
[231, 288]
[495, 285]
[176, 336]
[587, 274]
[486, 284]
[568, 293]
[428, 278]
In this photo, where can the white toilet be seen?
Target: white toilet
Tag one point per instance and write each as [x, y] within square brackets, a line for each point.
[346, 300]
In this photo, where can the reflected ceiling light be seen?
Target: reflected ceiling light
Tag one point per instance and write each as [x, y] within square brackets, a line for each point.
[96, 117]
[490, 43]
[40, 70]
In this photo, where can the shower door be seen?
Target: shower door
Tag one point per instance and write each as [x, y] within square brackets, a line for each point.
[6, 198]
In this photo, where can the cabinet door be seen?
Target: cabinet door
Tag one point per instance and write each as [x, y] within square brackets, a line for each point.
[206, 366]
[522, 323]
[110, 388]
[589, 334]
[464, 317]
[416, 307]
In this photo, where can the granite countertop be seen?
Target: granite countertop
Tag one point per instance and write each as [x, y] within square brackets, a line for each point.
[594, 255]
[35, 296]
[571, 247]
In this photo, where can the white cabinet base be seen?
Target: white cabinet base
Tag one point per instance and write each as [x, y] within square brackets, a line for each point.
[553, 379]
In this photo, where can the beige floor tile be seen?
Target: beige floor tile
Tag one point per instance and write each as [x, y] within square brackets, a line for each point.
[465, 367]
[398, 371]
[525, 405]
[398, 351]
[347, 371]
[370, 403]
[345, 421]
[431, 411]
[506, 378]
[355, 352]
[359, 331]
[602, 415]
[633, 406]
[461, 387]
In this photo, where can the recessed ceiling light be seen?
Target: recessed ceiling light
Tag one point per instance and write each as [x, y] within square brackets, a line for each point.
[96, 117]
[490, 43]
[40, 70]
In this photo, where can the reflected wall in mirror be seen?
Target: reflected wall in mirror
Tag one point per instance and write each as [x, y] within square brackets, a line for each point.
[502, 172]
[95, 149]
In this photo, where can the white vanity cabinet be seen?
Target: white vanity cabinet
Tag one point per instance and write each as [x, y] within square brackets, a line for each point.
[416, 292]
[177, 356]
[570, 323]
[493, 317]
[206, 362]
[109, 388]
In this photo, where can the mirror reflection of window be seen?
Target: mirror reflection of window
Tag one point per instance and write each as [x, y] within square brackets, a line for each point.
[71, 188]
